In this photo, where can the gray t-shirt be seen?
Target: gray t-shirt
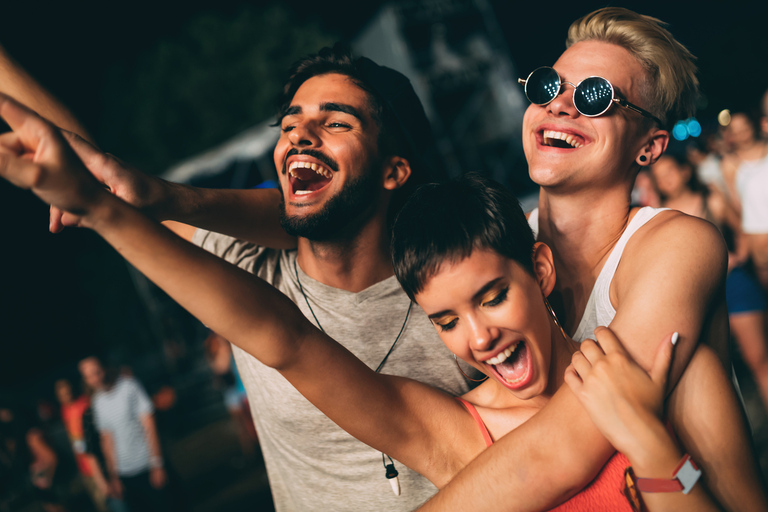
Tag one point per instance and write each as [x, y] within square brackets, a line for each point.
[119, 411]
[312, 464]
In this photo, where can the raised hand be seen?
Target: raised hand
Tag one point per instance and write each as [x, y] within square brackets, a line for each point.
[35, 156]
[134, 187]
[621, 397]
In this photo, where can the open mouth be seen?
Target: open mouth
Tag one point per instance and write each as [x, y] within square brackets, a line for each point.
[563, 140]
[308, 177]
[513, 365]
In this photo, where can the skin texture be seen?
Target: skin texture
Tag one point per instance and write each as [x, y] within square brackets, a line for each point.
[573, 469]
[480, 306]
[419, 425]
[670, 279]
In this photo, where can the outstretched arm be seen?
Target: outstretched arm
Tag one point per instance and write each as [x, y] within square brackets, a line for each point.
[251, 215]
[245, 214]
[419, 425]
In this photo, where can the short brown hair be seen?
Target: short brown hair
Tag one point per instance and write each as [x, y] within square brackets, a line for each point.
[672, 88]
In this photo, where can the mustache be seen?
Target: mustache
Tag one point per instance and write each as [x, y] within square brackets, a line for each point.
[327, 161]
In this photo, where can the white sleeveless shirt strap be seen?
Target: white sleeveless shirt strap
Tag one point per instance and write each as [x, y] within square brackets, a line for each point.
[599, 310]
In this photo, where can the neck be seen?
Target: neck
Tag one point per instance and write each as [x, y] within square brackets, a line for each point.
[751, 151]
[351, 263]
[581, 229]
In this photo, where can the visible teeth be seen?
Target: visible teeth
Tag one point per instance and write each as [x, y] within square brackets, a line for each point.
[501, 357]
[302, 192]
[319, 169]
[569, 139]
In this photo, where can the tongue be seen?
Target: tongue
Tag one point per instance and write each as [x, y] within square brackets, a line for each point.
[515, 366]
[307, 179]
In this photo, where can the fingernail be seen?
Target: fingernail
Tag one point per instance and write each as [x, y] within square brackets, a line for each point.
[675, 337]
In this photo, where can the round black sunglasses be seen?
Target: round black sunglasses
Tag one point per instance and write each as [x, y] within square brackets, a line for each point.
[592, 97]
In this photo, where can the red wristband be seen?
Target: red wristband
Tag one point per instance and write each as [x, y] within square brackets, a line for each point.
[685, 476]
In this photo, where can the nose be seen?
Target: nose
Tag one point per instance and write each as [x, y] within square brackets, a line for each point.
[482, 335]
[562, 105]
[302, 135]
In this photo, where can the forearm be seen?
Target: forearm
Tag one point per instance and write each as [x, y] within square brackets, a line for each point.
[251, 215]
[535, 467]
[17, 83]
[108, 450]
[707, 418]
[653, 454]
[237, 305]
[97, 474]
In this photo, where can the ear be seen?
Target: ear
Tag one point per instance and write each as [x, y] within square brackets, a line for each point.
[544, 267]
[397, 170]
[654, 148]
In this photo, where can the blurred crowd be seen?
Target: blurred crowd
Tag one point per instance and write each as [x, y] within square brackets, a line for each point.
[722, 176]
[98, 448]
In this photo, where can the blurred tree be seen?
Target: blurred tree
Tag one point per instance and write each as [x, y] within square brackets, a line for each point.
[218, 76]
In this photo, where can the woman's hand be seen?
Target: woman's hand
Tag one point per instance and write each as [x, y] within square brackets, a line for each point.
[622, 399]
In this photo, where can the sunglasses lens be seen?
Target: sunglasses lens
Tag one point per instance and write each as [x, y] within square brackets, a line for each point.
[593, 96]
[542, 86]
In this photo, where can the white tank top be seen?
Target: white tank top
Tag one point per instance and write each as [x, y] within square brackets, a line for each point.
[599, 310]
[752, 183]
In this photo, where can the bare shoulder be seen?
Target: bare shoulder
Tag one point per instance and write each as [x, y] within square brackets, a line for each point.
[679, 242]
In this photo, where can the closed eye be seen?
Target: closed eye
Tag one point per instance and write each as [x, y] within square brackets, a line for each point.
[498, 299]
[445, 327]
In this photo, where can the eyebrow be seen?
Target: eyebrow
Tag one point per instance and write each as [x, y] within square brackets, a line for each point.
[327, 107]
[341, 107]
[482, 291]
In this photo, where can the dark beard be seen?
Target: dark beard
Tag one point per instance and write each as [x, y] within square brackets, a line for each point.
[352, 205]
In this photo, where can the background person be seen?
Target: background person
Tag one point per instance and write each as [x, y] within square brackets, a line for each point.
[226, 378]
[73, 412]
[123, 415]
[746, 173]
[680, 189]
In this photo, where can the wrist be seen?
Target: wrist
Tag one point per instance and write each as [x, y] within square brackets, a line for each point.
[104, 212]
[644, 436]
[175, 201]
[155, 462]
[683, 478]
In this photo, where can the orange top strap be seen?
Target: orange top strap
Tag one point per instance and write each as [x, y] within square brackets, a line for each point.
[478, 420]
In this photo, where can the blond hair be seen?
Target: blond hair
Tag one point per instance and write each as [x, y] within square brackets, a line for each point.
[672, 87]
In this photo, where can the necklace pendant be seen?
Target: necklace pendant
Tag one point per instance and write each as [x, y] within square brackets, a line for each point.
[391, 475]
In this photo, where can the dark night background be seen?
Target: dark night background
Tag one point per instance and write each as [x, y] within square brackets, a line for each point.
[122, 68]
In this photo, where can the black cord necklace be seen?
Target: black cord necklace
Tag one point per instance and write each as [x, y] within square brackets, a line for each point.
[389, 469]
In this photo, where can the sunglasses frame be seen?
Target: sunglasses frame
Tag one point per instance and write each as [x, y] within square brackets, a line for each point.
[614, 98]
